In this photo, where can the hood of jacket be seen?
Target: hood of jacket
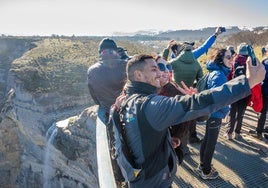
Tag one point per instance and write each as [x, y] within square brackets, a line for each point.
[186, 56]
[211, 66]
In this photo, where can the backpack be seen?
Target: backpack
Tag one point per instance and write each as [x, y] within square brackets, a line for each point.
[202, 83]
[119, 149]
[239, 70]
[201, 86]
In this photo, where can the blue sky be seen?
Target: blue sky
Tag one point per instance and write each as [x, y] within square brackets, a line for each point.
[103, 17]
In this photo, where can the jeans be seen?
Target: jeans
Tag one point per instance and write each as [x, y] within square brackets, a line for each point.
[262, 118]
[236, 115]
[209, 142]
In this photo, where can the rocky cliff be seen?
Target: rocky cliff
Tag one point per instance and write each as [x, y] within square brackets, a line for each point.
[37, 149]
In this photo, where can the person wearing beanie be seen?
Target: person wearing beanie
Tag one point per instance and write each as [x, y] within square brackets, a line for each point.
[105, 89]
[106, 79]
[238, 108]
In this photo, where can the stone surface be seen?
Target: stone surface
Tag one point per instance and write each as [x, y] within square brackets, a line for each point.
[23, 146]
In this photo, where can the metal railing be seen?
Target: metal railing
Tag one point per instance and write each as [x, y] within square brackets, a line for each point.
[105, 170]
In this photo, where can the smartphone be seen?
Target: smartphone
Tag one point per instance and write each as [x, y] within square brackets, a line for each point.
[223, 29]
[251, 54]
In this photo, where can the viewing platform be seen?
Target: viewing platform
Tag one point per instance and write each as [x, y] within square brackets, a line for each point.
[240, 163]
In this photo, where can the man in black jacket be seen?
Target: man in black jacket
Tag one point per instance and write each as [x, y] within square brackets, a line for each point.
[148, 138]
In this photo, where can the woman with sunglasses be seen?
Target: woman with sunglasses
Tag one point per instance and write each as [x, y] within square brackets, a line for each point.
[169, 88]
[219, 67]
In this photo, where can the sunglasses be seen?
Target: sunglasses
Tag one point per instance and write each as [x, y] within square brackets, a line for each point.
[163, 67]
[228, 57]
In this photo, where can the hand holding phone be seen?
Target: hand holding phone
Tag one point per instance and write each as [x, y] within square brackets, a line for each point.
[251, 54]
[223, 29]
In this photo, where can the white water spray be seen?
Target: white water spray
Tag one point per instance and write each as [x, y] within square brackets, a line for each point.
[47, 160]
[48, 170]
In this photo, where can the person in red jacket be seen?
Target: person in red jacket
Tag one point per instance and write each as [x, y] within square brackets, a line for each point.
[258, 133]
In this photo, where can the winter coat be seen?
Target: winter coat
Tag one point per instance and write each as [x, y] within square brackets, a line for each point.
[217, 77]
[106, 79]
[186, 68]
[160, 113]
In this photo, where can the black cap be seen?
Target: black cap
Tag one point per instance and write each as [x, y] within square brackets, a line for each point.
[107, 43]
[189, 43]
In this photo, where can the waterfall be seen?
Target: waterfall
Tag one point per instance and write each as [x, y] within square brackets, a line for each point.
[50, 135]
[52, 131]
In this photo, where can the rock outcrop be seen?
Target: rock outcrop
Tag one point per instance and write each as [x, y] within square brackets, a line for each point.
[23, 146]
[27, 121]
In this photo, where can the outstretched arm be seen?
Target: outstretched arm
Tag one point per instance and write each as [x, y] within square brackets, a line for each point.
[207, 44]
[164, 111]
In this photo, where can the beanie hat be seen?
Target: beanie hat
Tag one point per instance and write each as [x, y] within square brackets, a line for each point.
[107, 43]
[231, 49]
[242, 49]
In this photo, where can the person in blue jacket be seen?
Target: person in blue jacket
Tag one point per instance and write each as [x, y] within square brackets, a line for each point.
[174, 46]
[218, 68]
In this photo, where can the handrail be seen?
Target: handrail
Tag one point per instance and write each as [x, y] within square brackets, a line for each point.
[105, 170]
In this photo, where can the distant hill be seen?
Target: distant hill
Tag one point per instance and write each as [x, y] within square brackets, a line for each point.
[186, 35]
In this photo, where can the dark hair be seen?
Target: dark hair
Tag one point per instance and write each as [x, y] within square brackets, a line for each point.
[219, 56]
[263, 51]
[174, 48]
[137, 62]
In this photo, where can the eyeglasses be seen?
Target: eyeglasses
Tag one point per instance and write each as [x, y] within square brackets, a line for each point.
[228, 57]
[163, 67]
